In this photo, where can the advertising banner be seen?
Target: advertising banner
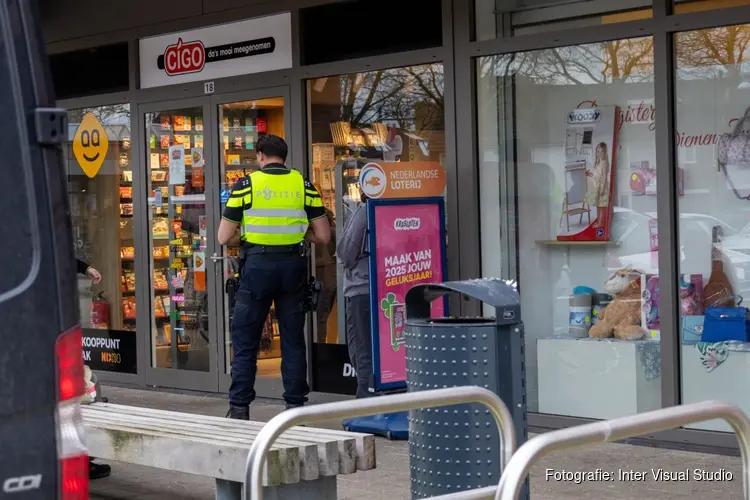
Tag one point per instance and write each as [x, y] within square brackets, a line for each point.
[332, 370]
[407, 247]
[589, 174]
[411, 179]
[110, 350]
[240, 48]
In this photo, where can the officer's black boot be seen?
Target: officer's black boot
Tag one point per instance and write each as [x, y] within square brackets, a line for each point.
[290, 406]
[239, 412]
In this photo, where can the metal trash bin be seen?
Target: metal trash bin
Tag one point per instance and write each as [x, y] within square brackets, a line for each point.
[457, 448]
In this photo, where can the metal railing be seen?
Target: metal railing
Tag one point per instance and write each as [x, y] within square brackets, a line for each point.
[486, 493]
[253, 489]
[517, 469]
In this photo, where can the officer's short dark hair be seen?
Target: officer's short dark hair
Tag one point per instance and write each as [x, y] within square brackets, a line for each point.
[272, 146]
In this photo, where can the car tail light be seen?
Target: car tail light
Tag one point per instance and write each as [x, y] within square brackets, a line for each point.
[71, 447]
[75, 478]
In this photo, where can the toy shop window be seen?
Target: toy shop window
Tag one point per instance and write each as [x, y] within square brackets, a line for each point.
[504, 18]
[712, 122]
[568, 193]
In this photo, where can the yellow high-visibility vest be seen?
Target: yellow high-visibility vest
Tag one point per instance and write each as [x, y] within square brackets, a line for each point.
[277, 211]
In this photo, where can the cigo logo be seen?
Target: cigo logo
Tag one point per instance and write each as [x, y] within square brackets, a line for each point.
[407, 224]
[373, 180]
[182, 58]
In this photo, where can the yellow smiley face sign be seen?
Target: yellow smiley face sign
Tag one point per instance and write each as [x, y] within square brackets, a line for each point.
[90, 145]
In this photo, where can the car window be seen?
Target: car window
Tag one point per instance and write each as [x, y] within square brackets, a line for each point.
[19, 248]
[630, 230]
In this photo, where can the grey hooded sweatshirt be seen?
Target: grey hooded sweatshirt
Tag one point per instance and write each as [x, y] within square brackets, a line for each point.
[351, 251]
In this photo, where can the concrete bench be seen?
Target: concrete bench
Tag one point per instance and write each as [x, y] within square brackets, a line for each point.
[302, 463]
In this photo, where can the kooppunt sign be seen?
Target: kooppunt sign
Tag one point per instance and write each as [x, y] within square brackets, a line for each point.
[110, 350]
[251, 46]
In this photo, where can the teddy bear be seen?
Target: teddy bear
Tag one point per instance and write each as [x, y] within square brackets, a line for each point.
[622, 317]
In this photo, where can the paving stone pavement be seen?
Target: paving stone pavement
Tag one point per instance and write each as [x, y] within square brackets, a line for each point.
[390, 480]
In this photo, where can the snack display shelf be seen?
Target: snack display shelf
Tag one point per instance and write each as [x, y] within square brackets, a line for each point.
[132, 259]
[173, 278]
[125, 300]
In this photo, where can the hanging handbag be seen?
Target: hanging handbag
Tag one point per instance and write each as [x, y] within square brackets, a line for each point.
[718, 290]
[733, 158]
[726, 323]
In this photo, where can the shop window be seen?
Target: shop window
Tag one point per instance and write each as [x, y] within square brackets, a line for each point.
[339, 31]
[178, 232]
[567, 167]
[99, 70]
[393, 115]
[101, 204]
[711, 121]
[495, 19]
[687, 6]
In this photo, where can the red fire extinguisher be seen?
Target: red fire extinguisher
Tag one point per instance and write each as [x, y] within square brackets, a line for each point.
[100, 312]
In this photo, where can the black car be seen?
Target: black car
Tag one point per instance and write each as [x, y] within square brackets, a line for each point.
[42, 450]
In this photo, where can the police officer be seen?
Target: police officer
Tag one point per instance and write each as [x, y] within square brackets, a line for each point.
[271, 213]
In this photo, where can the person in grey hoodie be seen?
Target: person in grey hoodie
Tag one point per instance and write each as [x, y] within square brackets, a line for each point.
[353, 254]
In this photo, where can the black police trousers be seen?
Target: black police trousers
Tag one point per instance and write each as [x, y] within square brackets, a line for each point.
[267, 278]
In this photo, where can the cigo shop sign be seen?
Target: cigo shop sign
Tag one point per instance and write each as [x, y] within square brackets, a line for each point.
[644, 112]
[244, 47]
[191, 57]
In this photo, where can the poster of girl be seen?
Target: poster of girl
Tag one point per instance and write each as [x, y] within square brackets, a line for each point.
[588, 174]
[597, 195]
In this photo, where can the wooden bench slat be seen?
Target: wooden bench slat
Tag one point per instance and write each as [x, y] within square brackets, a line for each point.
[217, 428]
[243, 435]
[320, 457]
[114, 408]
[288, 455]
[306, 455]
[190, 455]
[364, 447]
[302, 463]
[282, 465]
[366, 454]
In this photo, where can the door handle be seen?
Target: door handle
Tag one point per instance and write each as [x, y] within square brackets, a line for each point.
[216, 258]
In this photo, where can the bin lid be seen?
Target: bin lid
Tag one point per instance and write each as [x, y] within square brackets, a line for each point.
[495, 292]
